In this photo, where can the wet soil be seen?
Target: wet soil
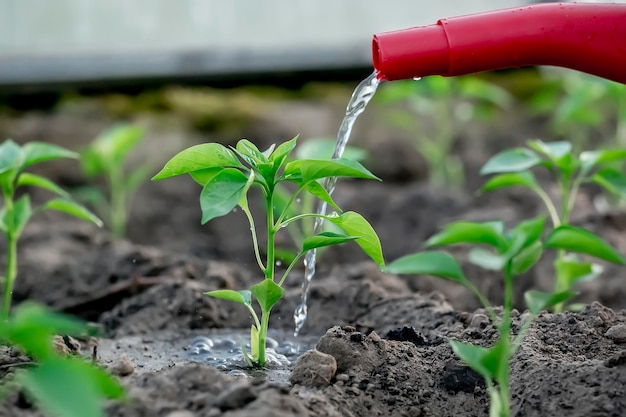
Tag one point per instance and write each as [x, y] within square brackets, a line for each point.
[380, 340]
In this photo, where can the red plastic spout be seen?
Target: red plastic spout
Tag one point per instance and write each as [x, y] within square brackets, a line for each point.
[585, 37]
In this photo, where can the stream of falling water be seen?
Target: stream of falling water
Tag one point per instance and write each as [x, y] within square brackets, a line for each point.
[359, 100]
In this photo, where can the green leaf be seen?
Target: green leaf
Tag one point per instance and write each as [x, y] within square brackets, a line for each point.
[523, 179]
[305, 170]
[320, 192]
[242, 297]
[354, 224]
[28, 179]
[203, 176]
[573, 271]
[575, 239]
[325, 239]
[591, 158]
[485, 361]
[69, 387]
[512, 160]
[469, 232]
[198, 158]
[611, 180]
[22, 212]
[538, 301]
[10, 156]
[486, 259]
[525, 233]
[114, 144]
[72, 208]
[553, 150]
[36, 152]
[267, 293]
[527, 258]
[222, 193]
[435, 263]
[254, 344]
[32, 327]
[283, 151]
[250, 153]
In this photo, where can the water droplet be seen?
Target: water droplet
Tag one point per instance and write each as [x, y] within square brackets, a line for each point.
[417, 78]
[298, 200]
[279, 263]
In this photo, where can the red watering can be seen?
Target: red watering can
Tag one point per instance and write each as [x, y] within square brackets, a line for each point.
[585, 37]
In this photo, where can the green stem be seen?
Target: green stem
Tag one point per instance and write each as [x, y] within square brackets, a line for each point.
[505, 339]
[271, 234]
[265, 321]
[492, 315]
[11, 274]
[554, 214]
[291, 265]
[118, 203]
[255, 241]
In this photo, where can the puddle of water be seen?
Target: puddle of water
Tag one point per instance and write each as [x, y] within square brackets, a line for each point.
[220, 348]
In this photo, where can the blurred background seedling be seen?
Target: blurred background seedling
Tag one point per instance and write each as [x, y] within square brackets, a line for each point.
[108, 157]
[438, 109]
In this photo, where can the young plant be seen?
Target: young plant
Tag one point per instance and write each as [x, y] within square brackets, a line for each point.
[16, 212]
[513, 168]
[582, 107]
[227, 175]
[439, 108]
[58, 385]
[107, 156]
[511, 252]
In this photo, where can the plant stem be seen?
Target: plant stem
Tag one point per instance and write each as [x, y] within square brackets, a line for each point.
[11, 274]
[505, 339]
[265, 321]
[271, 233]
[118, 203]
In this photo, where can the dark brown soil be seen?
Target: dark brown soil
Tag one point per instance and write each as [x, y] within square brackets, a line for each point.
[383, 339]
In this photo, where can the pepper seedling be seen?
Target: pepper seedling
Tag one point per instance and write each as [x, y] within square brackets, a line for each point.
[15, 213]
[512, 252]
[58, 385]
[226, 176]
[513, 168]
[107, 156]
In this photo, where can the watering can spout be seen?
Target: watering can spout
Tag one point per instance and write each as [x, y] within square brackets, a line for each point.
[585, 37]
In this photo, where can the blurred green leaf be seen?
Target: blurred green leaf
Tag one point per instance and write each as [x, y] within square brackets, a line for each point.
[524, 179]
[512, 160]
[538, 301]
[72, 208]
[36, 152]
[469, 232]
[242, 297]
[579, 240]
[436, 263]
[28, 179]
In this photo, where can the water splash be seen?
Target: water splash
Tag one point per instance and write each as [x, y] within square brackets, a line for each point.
[359, 100]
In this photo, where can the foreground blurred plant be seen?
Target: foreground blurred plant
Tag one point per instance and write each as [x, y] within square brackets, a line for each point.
[58, 385]
[513, 169]
[226, 176]
[439, 108]
[107, 156]
[15, 213]
[514, 252]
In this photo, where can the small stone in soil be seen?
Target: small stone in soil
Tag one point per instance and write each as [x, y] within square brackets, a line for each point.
[314, 369]
[458, 377]
[407, 334]
[617, 333]
[122, 367]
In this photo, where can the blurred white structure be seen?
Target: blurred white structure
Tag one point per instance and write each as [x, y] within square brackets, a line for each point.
[50, 41]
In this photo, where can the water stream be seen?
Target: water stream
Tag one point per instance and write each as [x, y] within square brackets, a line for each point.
[357, 104]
